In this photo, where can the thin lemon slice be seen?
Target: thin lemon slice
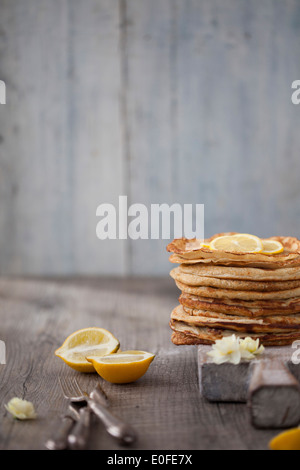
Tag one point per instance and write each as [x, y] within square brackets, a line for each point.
[239, 243]
[91, 341]
[124, 367]
[205, 245]
[272, 247]
[287, 440]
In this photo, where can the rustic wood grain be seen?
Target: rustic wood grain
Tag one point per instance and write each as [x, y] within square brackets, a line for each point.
[60, 146]
[162, 100]
[164, 406]
[274, 396]
[268, 384]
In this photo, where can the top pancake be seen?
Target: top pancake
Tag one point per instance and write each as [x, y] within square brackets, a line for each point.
[189, 251]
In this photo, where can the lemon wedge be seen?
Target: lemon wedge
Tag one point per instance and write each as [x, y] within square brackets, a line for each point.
[287, 440]
[239, 243]
[124, 367]
[91, 341]
[271, 247]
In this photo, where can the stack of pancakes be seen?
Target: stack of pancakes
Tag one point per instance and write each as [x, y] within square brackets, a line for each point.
[247, 294]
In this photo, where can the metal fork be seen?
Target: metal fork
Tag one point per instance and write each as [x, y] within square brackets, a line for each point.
[60, 439]
[97, 401]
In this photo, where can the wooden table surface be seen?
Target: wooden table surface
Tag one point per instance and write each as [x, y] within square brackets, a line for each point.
[164, 406]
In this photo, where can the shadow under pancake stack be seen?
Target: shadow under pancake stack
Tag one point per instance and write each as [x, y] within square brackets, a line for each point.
[246, 294]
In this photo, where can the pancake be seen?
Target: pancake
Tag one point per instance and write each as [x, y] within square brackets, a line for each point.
[217, 293]
[177, 259]
[225, 293]
[190, 249]
[204, 318]
[234, 284]
[254, 308]
[242, 273]
[183, 338]
[191, 334]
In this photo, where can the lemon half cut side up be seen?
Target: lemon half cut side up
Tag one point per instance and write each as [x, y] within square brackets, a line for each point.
[91, 341]
[122, 367]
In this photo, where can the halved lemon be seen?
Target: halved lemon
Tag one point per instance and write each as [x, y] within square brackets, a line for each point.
[239, 243]
[287, 440]
[271, 247]
[91, 341]
[124, 367]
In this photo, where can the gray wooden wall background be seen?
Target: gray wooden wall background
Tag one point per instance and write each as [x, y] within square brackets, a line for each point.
[183, 101]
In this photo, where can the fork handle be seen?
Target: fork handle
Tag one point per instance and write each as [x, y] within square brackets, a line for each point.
[113, 425]
[60, 441]
[79, 435]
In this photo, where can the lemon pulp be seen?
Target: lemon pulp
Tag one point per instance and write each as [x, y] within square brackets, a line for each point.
[239, 243]
[271, 247]
[123, 367]
[91, 341]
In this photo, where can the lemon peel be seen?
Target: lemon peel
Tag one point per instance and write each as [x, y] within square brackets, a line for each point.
[233, 349]
[250, 348]
[21, 409]
[226, 349]
[271, 247]
[286, 440]
[238, 243]
[92, 341]
[122, 367]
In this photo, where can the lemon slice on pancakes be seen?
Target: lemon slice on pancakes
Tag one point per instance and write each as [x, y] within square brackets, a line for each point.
[239, 243]
[272, 247]
[205, 245]
[123, 367]
[91, 341]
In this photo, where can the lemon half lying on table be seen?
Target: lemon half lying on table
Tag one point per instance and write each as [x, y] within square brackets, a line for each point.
[123, 367]
[91, 341]
[287, 440]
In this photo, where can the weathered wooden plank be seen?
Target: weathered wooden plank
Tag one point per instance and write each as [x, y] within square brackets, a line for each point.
[235, 120]
[36, 198]
[274, 396]
[148, 94]
[60, 150]
[97, 142]
[164, 406]
[268, 384]
[165, 101]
